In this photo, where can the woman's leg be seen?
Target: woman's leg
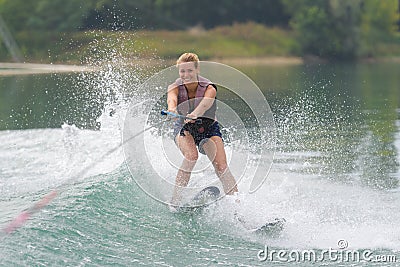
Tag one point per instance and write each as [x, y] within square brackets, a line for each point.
[188, 148]
[215, 151]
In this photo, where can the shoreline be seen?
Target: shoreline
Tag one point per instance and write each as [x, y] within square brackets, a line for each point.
[9, 68]
[260, 61]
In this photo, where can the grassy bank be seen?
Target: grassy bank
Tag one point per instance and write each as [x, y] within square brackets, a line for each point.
[251, 41]
[248, 40]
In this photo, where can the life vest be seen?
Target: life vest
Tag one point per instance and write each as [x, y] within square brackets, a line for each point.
[183, 98]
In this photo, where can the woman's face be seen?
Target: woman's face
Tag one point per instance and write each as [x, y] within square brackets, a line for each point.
[188, 72]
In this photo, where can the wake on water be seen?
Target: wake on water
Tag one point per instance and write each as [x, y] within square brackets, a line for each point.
[318, 211]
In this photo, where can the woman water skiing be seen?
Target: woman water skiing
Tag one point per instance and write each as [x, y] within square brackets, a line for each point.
[193, 96]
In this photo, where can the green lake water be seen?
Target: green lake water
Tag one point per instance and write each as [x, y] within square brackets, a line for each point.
[334, 178]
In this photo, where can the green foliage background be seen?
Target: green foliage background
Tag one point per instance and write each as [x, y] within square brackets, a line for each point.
[342, 29]
[331, 29]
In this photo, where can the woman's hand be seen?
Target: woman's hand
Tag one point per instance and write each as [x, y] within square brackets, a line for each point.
[172, 110]
[170, 117]
[193, 117]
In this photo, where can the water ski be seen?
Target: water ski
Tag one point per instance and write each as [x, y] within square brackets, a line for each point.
[272, 228]
[207, 195]
[204, 197]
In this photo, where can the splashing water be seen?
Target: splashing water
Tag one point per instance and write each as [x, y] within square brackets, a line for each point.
[333, 177]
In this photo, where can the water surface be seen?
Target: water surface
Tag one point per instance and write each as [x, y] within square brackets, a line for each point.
[335, 174]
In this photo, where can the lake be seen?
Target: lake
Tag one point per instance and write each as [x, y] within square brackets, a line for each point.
[334, 175]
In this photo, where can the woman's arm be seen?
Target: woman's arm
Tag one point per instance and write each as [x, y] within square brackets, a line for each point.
[172, 97]
[205, 103]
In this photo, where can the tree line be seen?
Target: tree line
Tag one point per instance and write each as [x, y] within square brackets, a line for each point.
[327, 28]
[73, 15]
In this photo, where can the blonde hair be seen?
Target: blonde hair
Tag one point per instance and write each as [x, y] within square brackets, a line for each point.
[188, 57]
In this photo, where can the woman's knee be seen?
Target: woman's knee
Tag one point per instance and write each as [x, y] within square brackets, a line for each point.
[188, 148]
[191, 156]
